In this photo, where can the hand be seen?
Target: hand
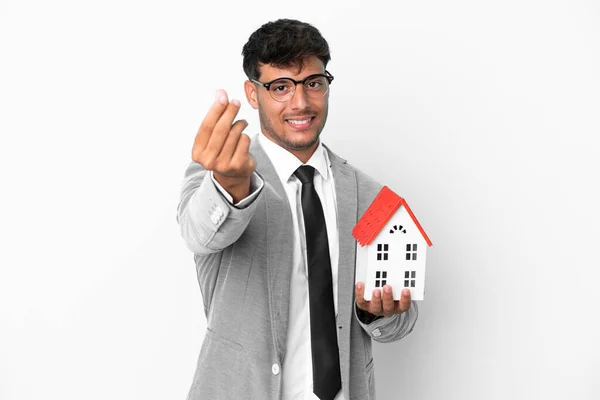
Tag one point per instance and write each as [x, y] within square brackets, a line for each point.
[382, 305]
[221, 147]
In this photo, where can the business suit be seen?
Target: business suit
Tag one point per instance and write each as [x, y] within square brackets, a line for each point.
[243, 264]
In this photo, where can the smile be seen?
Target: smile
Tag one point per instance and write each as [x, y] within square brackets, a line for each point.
[300, 123]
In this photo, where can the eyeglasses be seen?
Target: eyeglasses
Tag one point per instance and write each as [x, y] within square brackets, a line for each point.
[282, 89]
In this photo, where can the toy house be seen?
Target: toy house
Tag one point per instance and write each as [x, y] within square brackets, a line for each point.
[392, 247]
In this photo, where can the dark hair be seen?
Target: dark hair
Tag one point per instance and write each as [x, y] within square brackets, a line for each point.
[283, 43]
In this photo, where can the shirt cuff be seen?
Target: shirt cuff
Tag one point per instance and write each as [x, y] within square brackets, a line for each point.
[256, 185]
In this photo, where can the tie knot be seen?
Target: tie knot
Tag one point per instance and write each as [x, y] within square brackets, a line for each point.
[305, 173]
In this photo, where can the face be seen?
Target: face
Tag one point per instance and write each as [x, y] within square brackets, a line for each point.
[297, 123]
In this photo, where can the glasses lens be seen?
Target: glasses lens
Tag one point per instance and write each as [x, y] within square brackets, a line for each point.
[282, 89]
[316, 86]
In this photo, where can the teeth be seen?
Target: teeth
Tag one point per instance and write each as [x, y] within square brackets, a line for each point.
[304, 121]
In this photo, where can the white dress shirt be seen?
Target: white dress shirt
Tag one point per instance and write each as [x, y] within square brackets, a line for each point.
[297, 366]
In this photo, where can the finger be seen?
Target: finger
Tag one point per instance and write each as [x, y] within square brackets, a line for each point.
[376, 307]
[210, 120]
[232, 140]
[242, 162]
[359, 293]
[220, 131]
[388, 301]
[405, 301]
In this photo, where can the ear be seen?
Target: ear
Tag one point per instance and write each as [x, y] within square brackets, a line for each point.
[251, 95]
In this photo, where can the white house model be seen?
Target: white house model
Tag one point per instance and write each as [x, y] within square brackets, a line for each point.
[392, 247]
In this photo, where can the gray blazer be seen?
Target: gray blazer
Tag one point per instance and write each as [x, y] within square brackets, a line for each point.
[243, 262]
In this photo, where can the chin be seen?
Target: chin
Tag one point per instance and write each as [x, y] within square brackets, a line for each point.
[301, 141]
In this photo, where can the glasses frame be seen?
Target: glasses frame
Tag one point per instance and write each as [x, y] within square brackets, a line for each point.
[267, 85]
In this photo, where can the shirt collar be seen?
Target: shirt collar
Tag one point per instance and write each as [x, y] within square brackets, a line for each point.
[286, 163]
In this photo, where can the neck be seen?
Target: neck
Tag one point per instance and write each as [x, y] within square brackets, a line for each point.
[304, 155]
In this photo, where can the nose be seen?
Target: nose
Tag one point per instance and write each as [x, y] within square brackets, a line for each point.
[299, 100]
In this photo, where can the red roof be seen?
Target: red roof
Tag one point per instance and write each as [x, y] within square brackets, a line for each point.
[379, 213]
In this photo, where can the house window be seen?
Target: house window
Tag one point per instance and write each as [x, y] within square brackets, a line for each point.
[380, 278]
[399, 228]
[411, 252]
[382, 252]
[410, 278]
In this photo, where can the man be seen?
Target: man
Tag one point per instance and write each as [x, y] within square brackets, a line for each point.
[270, 224]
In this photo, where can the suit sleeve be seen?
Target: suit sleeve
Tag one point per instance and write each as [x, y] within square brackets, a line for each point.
[389, 329]
[208, 222]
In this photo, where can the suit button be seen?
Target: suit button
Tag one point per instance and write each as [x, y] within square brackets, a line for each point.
[275, 369]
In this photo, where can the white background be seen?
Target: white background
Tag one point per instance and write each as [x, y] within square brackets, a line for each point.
[483, 115]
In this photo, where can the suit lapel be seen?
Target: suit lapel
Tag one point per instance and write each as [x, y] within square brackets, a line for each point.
[347, 208]
[279, 236]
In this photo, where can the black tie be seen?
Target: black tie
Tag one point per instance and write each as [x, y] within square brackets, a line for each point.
[327, 381]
